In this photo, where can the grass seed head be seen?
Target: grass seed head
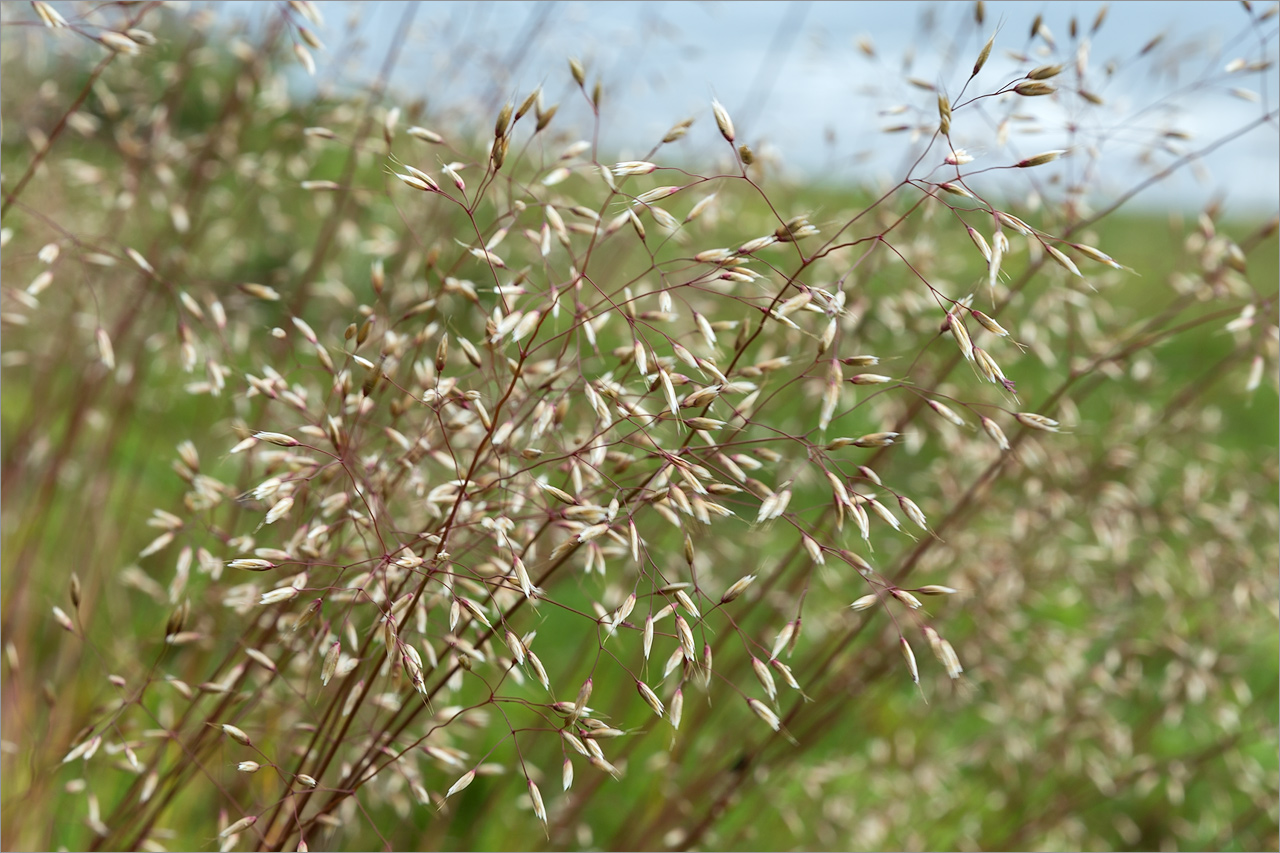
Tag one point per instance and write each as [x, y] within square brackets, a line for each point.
[723, 121]
[983, 55]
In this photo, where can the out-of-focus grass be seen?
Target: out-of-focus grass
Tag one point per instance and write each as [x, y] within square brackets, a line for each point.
[947, 726]
[900, 773]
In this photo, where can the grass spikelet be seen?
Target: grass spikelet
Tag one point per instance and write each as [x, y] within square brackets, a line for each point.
[482, 424]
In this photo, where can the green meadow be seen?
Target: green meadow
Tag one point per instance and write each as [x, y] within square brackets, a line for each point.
[392, 394]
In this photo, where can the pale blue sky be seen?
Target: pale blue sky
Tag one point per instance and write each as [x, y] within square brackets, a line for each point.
[792, 77]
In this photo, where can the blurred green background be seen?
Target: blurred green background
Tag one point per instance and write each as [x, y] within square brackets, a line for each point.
[1118, 611]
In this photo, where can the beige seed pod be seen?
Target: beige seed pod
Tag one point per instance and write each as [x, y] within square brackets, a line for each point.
[503, 120]
[988, 367]
[279, 510]
[425, 135]
[876, 439]
[677, 131]
[700, 207]
[584, 693]
[594, 750]
[906, 598]
[961, 334]
[831, 394]
[787, 675]
[320, 186]
[235, 734]
[767, 507]
[723, 121]
[949, 659]
[704, 326]
[40, 283]
[1014, 222]
[558, 494]
[983, 55]
[516, 645]
[752, 246]
[913, 512]
[765, 678]
[277, 438]
[883, 512]
[687, 647]
[656, 194]
[276, 596]
[1040, 159]
[997, 435]
[676, 711]
[83, 750]
[1097, 255]
[946, 412]
[417, 183]
[864, 602]
[636, 224]
[574, 742]
[242, 824]
[251, 564]
[650, 698]
[1254, 380]
[1033, 88]
[911, 659]
[463, 781]
[1044, 72]
[527, 104]
[861, 519]
[544, 116]
[828, 336]
[49, 16]
[987, 323]
[676, 658]
[477, 611]
[535, 797]
[739, 586]
[105, 352]
[999, 246]
[600, 762]
[1038, 422]
[812, 547]
[522, 575]
[633, 167]
[422, 178]
[1063, 261]
[763, 711]
[149, 786]
[783, 639]
[539, 670]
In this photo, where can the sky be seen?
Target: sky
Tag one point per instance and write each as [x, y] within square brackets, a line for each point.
[798, 85]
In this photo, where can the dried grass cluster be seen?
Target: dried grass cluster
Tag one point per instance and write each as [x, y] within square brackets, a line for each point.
[736, 509]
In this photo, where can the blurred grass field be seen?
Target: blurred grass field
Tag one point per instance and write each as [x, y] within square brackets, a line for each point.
[1117, 614]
